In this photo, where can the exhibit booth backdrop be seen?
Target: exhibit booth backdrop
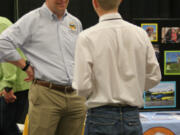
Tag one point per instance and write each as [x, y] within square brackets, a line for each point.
[164, 34]
[151, 16]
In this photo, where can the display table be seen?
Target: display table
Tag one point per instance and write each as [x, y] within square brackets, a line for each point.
[161, 123]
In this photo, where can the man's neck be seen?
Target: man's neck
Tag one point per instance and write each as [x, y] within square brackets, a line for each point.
[101, 13]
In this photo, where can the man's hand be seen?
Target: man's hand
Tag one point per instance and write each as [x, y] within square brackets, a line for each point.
[30, 73]
[8, 96]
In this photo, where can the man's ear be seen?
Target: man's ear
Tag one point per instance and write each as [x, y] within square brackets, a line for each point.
[121, 1]
[95, 4]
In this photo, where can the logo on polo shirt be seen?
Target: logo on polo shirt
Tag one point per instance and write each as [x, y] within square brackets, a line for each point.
[72, 26]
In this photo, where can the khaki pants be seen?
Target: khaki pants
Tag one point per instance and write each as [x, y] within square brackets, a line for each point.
[52, 112]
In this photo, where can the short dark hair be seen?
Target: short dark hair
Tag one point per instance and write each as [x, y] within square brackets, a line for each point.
[109, 4]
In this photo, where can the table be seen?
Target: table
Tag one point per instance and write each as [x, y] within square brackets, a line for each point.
[161, 123]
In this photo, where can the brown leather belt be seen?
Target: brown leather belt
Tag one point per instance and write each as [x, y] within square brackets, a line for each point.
[64, 89]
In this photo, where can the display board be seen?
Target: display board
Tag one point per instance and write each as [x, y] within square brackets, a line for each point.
[165, 37]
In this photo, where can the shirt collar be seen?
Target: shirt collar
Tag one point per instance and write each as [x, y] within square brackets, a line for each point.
[109, 16]
[50, 13]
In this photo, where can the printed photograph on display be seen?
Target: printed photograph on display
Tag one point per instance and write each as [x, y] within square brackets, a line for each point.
[156, 48]
[171, 62]
[161, 96]
[152, 30]
[170, 35]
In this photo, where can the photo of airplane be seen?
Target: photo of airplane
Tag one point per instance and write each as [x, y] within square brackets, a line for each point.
[167, 95]
[161, 96]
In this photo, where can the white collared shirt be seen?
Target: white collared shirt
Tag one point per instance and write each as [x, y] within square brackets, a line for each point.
[114, 63]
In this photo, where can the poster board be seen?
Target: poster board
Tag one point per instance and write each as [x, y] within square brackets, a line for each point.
[164, 33]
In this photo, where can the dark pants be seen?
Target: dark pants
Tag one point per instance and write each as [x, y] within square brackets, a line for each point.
[13, 113]
[111, 120]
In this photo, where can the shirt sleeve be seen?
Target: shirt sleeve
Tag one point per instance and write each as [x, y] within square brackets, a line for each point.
[83, 67]
[153, 73]
[13, 37]
[81, 27]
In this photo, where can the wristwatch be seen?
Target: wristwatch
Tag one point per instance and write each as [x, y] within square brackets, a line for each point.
[26, 66]
[7, 89]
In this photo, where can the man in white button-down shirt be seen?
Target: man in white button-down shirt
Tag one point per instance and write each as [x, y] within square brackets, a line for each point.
[114, 63]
